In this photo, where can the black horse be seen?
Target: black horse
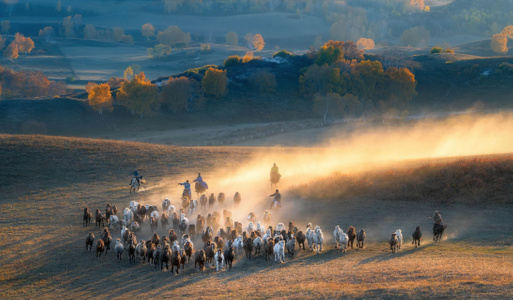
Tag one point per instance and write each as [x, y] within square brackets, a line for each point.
[438, 231]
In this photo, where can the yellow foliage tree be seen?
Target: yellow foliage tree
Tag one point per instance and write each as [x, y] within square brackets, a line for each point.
[365, 44]
[247, 57]
[99, 97]
[215, 83]
[139, 96]
[148, 30]
[174, 36]
[499, 43]
[258, 42]
[129, 73]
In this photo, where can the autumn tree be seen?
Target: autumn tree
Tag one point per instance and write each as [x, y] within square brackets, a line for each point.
[215, 83]
[181, 94]
[99, 97]
[174, 37]
[68, 27]
[159, 51]
[11, 51]
[330, 52]
[321, 80]
[366, 44]
[128, 74]
[47, 33]
[400, 88]
[139, 96]
[255, 41]
[232, 38]
[25, 44]
[247, 57]
[499, 42]
[258, 42]
[115, 82]
[148, 31]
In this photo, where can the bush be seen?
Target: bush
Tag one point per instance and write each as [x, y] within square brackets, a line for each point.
[232, 60]
[449, 51]
[436, 50]
[282, 54]
[205, 48]
[507, 67]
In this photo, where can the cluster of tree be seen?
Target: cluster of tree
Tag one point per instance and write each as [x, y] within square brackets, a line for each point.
[342, 83]
[499, 42]
[483, 17]
[27, 85]
[20, 44]
[171, 37]
[141, 97]
[72, 27]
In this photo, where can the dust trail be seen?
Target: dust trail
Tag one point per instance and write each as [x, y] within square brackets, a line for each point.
[350, 152]
[367, 149]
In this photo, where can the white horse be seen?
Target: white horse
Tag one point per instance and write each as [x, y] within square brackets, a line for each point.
[128, 215]
[399, 234]
[279, 252]
[192, 207]
[336, 235]
[134, 185]
[184, 223]
[310, 237]
[114, 222]
[318, 238]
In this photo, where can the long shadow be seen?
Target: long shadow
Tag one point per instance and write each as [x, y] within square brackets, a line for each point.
[389, 255]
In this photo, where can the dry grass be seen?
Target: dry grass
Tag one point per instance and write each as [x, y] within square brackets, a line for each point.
[42, 239]
[469, 180]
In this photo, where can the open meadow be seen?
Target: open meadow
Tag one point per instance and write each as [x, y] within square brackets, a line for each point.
[51, 180]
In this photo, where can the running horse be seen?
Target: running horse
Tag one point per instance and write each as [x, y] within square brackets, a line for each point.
[275, 179]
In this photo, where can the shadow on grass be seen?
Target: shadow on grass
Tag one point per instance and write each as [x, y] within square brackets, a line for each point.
[389, 255]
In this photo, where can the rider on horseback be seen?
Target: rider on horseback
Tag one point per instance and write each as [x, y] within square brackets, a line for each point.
[199, 179]
[437, 219]
[277, 199]
[137, 176]
[186, 188]
[274, 169]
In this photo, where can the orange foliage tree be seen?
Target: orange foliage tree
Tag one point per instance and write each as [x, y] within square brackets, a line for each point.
[99, 97]
[139, 96]
[11, 51]
[215, 83]
[25, 44]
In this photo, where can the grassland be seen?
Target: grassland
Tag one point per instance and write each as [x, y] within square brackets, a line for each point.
[51, 179]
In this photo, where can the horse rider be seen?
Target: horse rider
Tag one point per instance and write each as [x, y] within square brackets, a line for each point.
[277, 199]
[200, 180]
[186, 188]
[437, 218]
[274, 169]
[137, 176]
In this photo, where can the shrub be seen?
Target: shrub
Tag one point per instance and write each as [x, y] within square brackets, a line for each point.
[449, 51]
[205, 48]
[232, 60]
[436, 50]
[282, 54]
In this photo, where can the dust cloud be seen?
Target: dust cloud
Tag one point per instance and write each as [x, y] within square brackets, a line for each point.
[366, 149]
[347, 152]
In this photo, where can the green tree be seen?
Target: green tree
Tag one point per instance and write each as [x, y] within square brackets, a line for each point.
[264, 82]
[321, 80]
[400, 88]
[215, 83]
[99, 97]
[232, 38]
[159, 51]
[139, 96]
[232, 60]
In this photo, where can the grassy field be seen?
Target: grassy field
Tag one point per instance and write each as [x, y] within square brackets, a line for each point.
[51, 179]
